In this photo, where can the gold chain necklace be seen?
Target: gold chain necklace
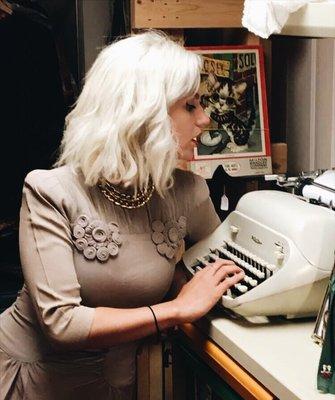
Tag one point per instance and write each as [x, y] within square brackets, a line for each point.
[126, 200]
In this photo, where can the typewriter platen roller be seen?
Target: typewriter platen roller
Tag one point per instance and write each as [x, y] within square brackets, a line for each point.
[286, 248]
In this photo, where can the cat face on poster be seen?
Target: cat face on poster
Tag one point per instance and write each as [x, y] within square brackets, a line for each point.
[220, 98]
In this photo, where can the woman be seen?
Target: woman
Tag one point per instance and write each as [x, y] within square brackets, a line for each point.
[99, 234]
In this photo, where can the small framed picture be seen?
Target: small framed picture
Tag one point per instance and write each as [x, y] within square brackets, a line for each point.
[233, 94]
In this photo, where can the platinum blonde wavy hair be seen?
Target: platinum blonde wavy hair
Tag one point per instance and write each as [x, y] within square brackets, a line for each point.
[120, 129]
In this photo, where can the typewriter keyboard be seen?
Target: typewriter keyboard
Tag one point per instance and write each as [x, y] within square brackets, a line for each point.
[256, 270]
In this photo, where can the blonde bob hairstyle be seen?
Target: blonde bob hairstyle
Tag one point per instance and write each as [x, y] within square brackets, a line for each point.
[120, 129]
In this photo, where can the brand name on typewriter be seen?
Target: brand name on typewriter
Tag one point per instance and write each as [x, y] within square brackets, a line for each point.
[256, 240]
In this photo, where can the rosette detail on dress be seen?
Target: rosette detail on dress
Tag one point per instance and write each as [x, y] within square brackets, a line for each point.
[96, 239]
[168, 236]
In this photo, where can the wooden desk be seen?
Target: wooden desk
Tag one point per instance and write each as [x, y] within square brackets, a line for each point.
[263, 360]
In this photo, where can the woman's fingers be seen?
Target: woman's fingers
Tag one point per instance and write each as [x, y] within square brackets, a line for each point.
[217, 264]
[226, 271]
[230, 281]
[203, 291]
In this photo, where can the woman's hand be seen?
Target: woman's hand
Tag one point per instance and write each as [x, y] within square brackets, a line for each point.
[205, 289]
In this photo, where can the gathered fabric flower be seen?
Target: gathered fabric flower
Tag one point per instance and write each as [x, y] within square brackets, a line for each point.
[81, 244]
[168, 236]
[96, 239]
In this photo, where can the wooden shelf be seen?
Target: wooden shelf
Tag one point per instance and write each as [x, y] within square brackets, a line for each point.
[314, 19]
[172, 14]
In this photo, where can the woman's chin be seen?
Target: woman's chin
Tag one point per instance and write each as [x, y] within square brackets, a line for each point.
[187, 153]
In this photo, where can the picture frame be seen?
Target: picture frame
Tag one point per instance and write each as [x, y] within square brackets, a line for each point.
[233, 94]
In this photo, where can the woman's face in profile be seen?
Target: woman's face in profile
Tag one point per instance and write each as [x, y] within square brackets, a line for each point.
[188, 121]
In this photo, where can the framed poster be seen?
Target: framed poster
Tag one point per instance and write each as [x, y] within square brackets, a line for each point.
[233, 94]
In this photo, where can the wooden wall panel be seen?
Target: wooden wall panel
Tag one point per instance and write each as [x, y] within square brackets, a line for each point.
[186, 13]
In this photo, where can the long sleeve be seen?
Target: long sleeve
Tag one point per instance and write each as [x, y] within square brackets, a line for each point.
[47, 261]
[202, 219]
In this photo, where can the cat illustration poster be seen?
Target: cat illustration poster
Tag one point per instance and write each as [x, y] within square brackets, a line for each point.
[233, 94]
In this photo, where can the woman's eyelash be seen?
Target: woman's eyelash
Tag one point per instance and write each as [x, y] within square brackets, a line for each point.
[190, 107]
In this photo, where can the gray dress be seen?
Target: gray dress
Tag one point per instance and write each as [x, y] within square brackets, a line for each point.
[79, 251]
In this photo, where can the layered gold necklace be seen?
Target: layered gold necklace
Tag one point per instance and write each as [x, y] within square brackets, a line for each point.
[126, 200]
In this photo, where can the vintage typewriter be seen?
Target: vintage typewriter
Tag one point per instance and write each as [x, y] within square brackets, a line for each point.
[284, 244]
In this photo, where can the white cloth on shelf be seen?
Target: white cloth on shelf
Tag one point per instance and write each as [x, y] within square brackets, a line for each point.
[264, 17]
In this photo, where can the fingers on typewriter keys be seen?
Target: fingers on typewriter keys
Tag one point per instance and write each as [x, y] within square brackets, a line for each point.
[249, 268]
[231, 271]
[237, 289]
[227, 271]
[224, 261]
[203, 262]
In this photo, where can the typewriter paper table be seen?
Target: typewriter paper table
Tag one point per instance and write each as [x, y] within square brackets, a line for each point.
[280, 354]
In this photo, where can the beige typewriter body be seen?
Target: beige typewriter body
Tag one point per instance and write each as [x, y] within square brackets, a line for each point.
[285, 246]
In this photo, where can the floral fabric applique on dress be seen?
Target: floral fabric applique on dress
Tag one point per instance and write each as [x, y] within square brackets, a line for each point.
[168, 236]
[96, 239]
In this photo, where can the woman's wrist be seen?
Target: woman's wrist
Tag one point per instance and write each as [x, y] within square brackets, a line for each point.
[175, 312]
[168, 314]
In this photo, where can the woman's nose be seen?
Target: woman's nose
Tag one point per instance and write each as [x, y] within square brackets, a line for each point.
[203, 119]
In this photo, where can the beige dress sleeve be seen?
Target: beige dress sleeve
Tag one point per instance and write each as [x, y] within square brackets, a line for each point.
[202, 218]
[47, 262]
